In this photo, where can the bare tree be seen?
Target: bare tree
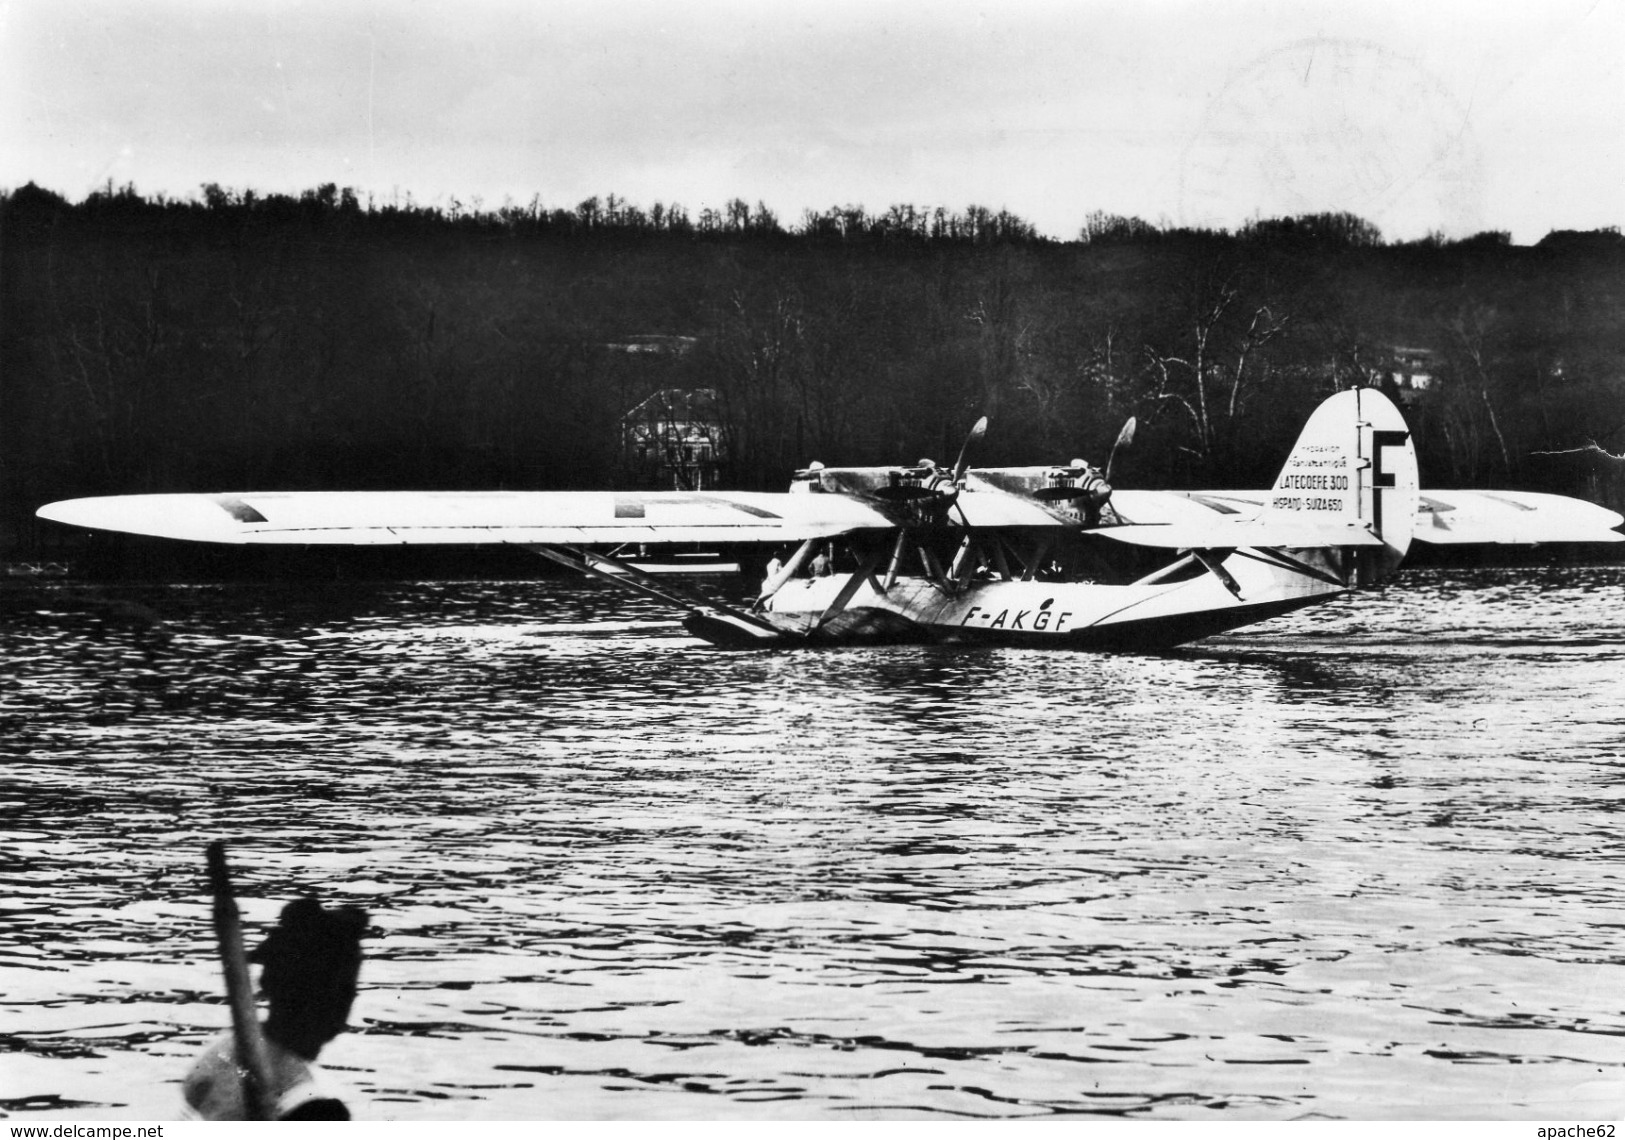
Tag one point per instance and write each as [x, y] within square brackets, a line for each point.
[1219, 366]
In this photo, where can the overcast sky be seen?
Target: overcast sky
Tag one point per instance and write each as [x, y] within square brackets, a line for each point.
[1418, 116]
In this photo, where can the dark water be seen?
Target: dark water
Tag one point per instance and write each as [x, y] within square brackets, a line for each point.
[1361, 862]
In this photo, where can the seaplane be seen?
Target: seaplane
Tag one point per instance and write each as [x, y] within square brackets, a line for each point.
[1048, 556]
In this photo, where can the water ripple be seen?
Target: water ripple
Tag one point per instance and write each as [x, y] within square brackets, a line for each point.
[1358, 861]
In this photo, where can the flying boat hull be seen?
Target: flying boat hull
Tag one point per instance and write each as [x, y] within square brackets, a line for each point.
[1250, 586]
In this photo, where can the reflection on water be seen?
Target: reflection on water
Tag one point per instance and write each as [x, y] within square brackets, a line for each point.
[1362, 861]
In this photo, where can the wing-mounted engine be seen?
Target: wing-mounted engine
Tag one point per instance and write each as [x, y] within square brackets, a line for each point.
[869, 482]
[926, 489]
[1078, 482]
[925, 480]
[920, 495]
[1075, 493]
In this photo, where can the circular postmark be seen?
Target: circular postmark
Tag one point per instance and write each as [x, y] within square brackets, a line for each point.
[1325, 125]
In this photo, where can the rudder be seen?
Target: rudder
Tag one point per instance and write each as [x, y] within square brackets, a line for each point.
[1354, 462]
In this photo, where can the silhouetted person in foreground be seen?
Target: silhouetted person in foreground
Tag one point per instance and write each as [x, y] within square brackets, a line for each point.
[309, 966]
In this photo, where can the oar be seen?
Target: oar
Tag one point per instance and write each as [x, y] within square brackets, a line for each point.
[253, 1059]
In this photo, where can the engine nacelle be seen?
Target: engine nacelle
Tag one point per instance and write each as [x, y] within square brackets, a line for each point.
[889, 484]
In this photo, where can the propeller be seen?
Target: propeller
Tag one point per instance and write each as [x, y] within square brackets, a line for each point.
[977, 431]
[932, 490]
[925, 480]
[1079, 480]
[1124, 438]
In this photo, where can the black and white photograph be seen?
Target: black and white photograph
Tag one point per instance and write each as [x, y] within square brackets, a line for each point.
[812, 561]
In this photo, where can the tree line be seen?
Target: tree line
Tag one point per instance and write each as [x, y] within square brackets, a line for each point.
[243, 341]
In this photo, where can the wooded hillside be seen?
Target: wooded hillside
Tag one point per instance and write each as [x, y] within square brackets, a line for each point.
[243, 342]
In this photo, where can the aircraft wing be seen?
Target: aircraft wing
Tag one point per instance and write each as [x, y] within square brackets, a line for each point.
[986, 507]
[1224, 534]
[1513, 517]
[1181, 519]
[387, 518]
[390, 518]
[1443, 517]
[1149, 508]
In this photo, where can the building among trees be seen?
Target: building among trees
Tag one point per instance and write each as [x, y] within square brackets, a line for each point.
[674, 440]
[1412, 370]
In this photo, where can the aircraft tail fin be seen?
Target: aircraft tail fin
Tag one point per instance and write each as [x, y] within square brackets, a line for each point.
[1354, 463]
